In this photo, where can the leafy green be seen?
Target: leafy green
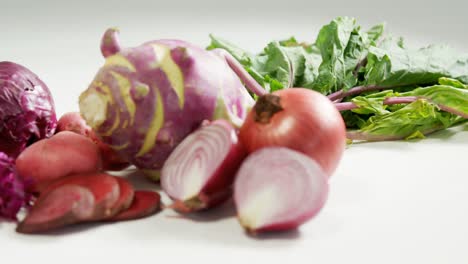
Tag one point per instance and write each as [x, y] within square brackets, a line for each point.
[416, 135]
[379, 66]
[452, 82]
[354, 120]
[249, 61]
[332, 42]
[239, 54]
[375, 32]
[448, 98]
[397, 66]
[419, 117]
[331, 63]
[343, 45]
[282, 64]
[368, 106]
[343, 56]
[438, 107]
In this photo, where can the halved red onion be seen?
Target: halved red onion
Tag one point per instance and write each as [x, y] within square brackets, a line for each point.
[200, 171]
[277, 188]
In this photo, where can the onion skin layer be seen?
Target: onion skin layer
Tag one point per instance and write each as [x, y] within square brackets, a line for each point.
[217, 187]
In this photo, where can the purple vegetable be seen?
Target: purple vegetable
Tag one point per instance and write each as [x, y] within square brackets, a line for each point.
[145, 100]
[13, 194]
[199, 173]
[27, 109]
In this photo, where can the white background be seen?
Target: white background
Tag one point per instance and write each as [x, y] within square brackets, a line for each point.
[392, 202]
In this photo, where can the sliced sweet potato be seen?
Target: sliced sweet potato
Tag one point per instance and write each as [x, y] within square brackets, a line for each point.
[104, 187]
[60, 207]
[145, 203]
[63, 154]
[126, 196]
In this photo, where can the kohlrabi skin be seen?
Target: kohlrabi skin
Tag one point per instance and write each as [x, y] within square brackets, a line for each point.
[146, 99]
[27, 111]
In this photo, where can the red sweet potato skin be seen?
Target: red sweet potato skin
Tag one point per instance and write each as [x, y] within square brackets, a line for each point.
[104, 187]
[145, 203]
[63, 154]
[74, 122]
[66, 205]
[111, 161]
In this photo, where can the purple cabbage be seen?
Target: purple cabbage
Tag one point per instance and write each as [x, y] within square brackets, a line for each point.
[27, 111]
[145, 100]
[13, 194]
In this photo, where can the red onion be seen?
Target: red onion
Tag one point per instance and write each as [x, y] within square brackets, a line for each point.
[300, 119]
[277, 188]
[200, 171]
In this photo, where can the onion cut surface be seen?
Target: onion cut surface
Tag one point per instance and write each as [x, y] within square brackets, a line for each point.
[278, 189]
[200, 171]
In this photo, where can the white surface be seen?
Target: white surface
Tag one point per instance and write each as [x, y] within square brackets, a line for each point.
[393, 202]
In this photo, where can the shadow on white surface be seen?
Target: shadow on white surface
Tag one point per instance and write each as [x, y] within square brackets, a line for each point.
[217, 225]
[138, 180]
[201, 226]
[455, 135]
[69, 230]
[449, 135]
[291, 234]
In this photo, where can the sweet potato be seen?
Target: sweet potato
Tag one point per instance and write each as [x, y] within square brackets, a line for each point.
[111, 160]
[104, 187]
[126, 196]
[72, 121]
[145, 203]
[63, 154]
[63, 206]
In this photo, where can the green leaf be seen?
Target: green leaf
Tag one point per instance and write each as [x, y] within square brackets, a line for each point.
[393, 65]
[239, 54]
[415, 135]
[292, 66]
[382, 94]
[332, 41]
[354, 120]
[278, 64]
[290, 42]
[375, 32]
[369, 106]
[420, 116]
[281, 64]
[254, 65]
[343, 46]
[452, 82]
[448, 98]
